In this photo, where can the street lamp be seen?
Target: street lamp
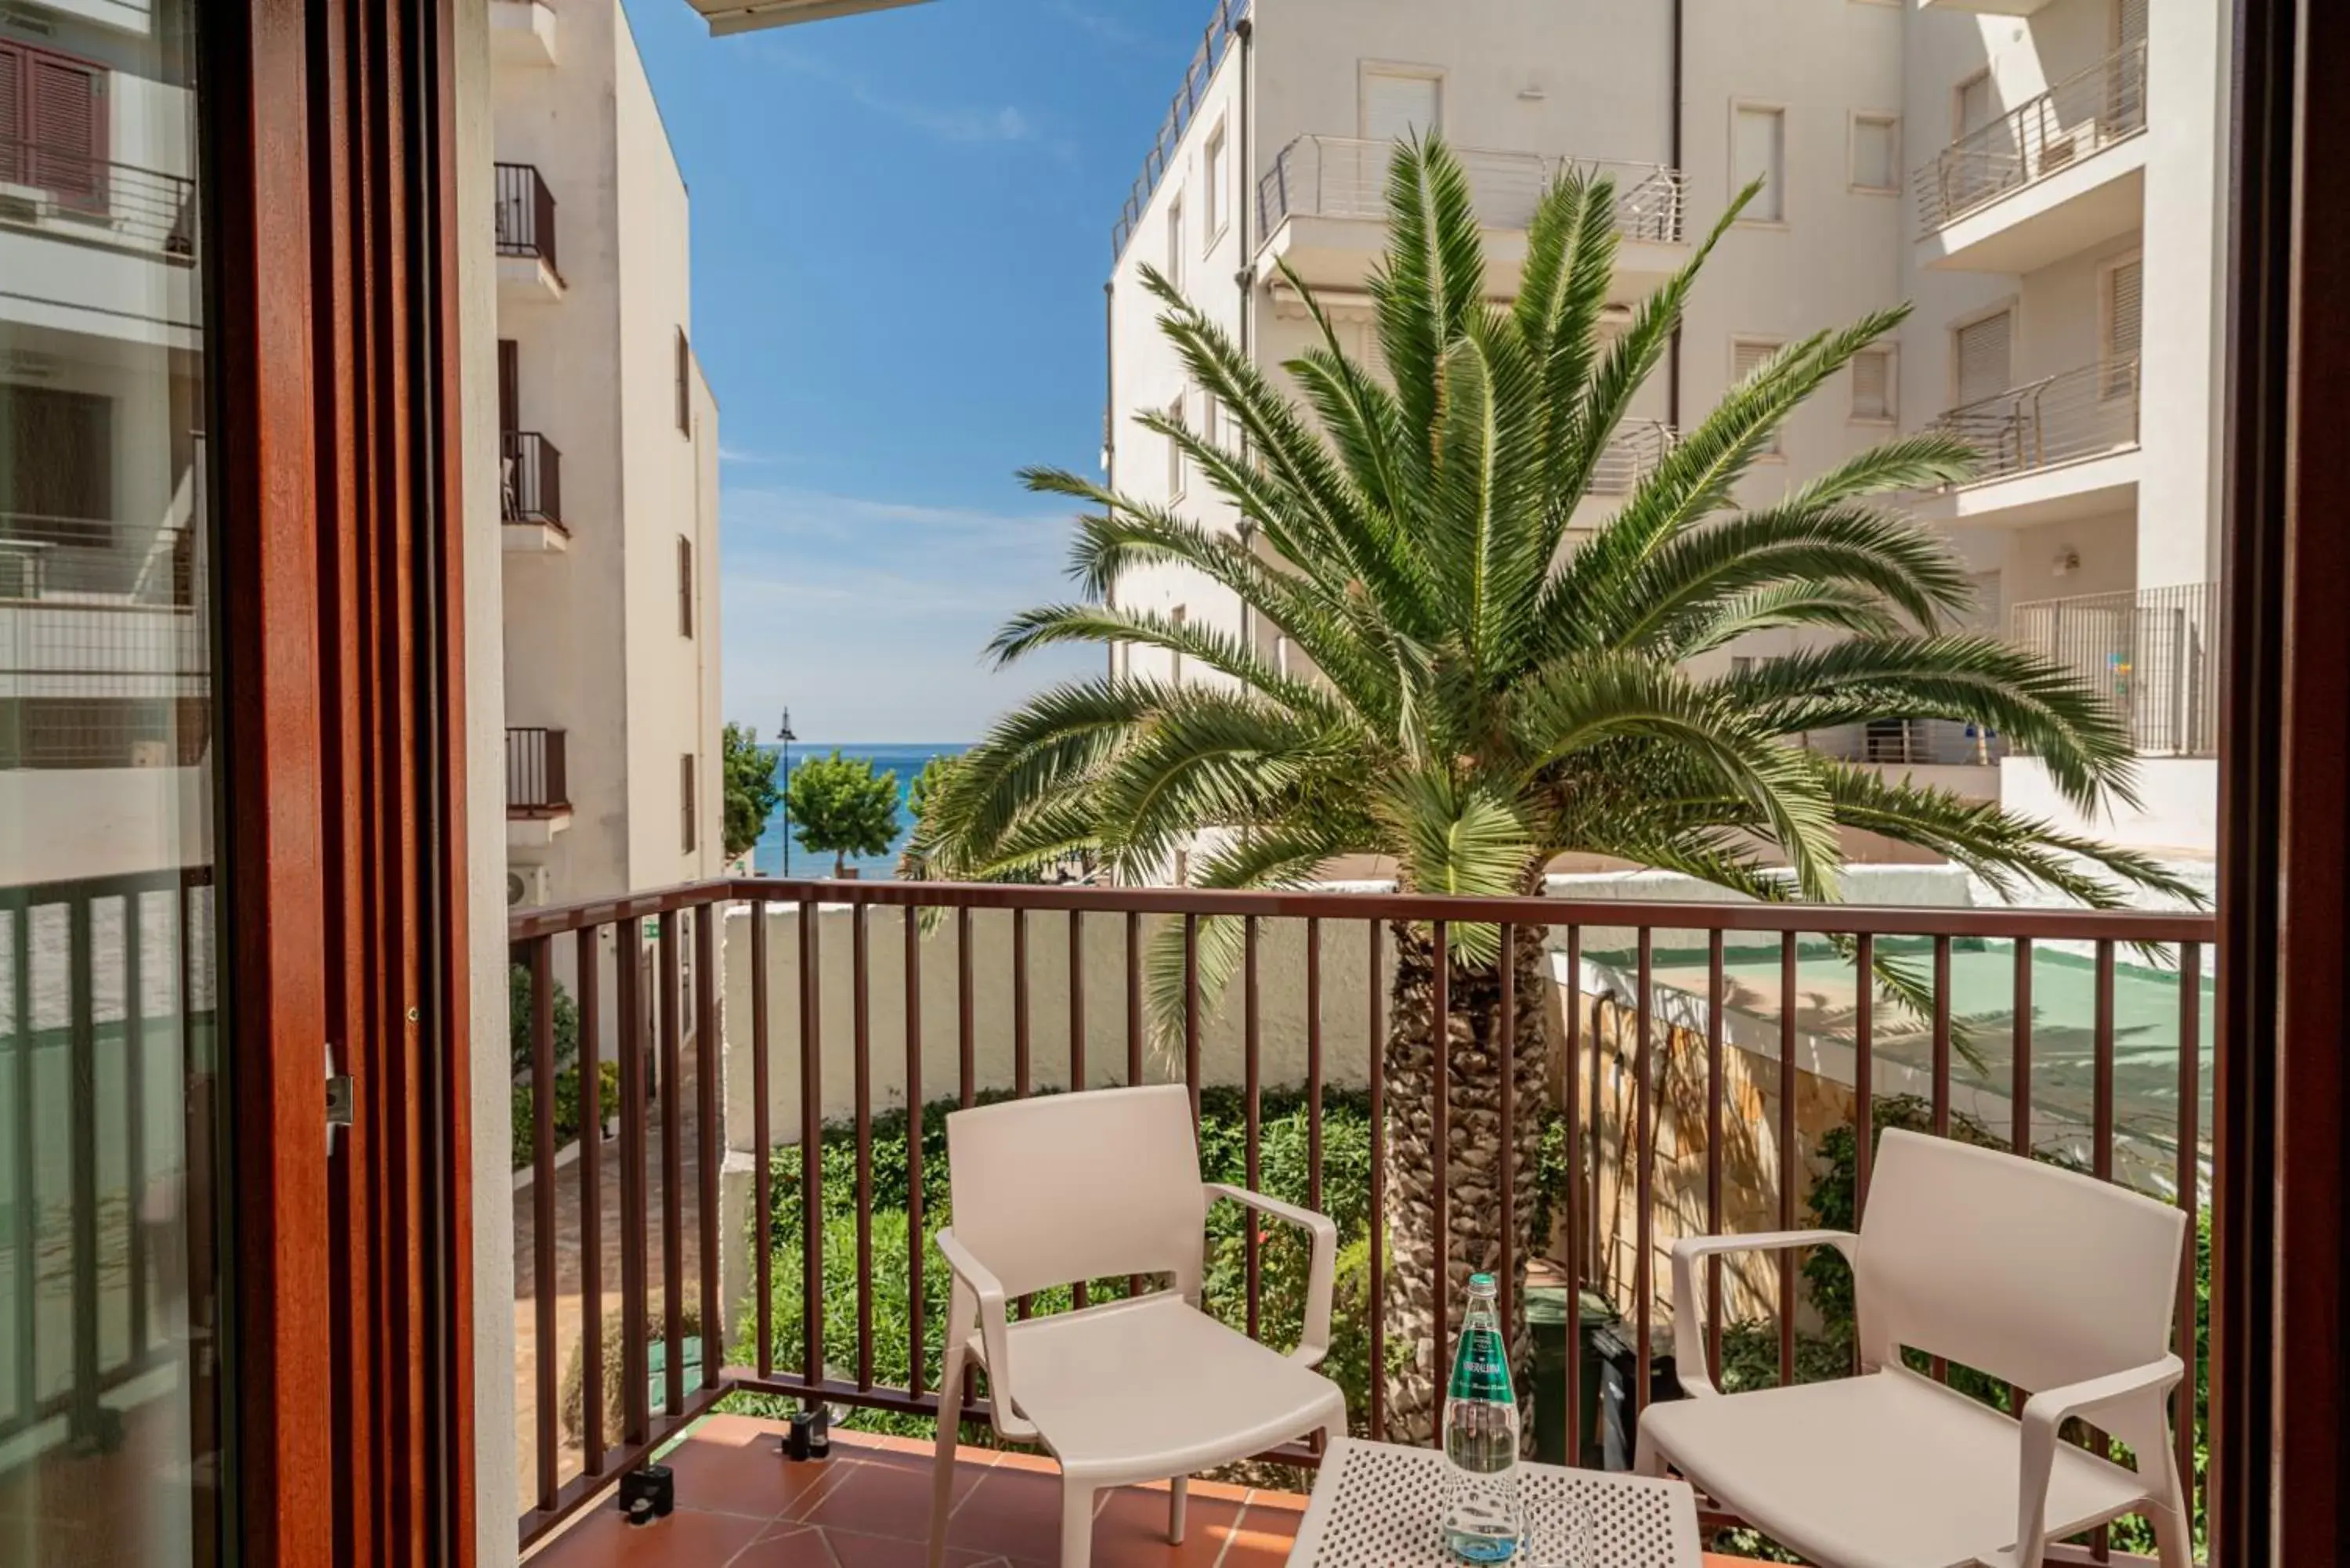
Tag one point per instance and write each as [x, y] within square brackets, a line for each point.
[783, 733]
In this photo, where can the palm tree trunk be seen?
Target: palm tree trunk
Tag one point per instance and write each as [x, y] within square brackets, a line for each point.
[1475, 1057]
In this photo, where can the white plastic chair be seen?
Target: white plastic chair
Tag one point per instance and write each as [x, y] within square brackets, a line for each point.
[1094, 1186]
[2059, 1284]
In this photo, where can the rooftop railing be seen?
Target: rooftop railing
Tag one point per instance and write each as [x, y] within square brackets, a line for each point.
[1346, 177]
[1215, 41]
[2088, 411]
[1703, 1054]
[2083, 114]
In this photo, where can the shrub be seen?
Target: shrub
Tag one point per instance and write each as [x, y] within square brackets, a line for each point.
[520, 1049]
[567, 1109]
[573, 1408]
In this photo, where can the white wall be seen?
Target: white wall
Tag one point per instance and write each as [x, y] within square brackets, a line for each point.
[494, 1479]
[2177, 811]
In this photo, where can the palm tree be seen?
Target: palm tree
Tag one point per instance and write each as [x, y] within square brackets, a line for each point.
[1486, 695]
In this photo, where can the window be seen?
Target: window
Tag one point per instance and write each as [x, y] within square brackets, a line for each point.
[1872, 386]
[1175, 241]
[1175, 464]
[1399, 102]
[1746, 357]
[1980, 353]
[685, 803]
[2120, 321]
[1741, 665]
[1876, 153]
[1212, 420]
[1973, 106]
[1178, 617]
[684, 384]
[1758, 150]
[684, 586]
[53, 124]
[1215, 195]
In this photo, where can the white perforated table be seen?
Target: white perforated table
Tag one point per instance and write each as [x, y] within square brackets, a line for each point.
[1376, 1506]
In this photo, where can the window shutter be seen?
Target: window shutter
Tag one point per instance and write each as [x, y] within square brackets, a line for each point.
[2131, 22]
[685, 803]
[66, 136]
[1760, 141]
[1746, 355]
[684, 384]
[1398, 107]
[1214, 194]
[1872, 384]
[2124, 327]
[1375, 354]
[1175, 241]
[684, 586]
[11, 113]
[1975, 104]
[1984, 364]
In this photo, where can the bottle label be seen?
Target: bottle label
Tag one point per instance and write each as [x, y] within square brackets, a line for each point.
[1480, 1371]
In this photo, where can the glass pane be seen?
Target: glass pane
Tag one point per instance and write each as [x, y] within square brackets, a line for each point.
[109, 1442]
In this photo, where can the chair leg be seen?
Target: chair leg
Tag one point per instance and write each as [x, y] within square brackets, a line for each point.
[1178, 1492]
[1647, 1460]
[942, 1466]
[1076, 1524]
[2173, 1543]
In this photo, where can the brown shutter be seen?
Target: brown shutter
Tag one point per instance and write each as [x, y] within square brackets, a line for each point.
[64, 118]
[509, 385]
[11, 113]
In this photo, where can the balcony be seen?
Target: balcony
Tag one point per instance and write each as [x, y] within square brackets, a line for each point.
[538, 787]
[96, 248]
[525, 210]
[2154, 653]
[1322, 207]
[530, 486]
[522, 33]
[2049, 178]
[1710, 1057]
[2062, 447]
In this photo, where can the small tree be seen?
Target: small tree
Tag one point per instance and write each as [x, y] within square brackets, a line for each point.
[840, 803]
[751, 788]
[925, 790]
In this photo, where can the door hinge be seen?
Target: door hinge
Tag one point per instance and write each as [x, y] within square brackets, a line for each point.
[339, 1100]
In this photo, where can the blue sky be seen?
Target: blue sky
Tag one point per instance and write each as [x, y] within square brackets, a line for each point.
[901, 231]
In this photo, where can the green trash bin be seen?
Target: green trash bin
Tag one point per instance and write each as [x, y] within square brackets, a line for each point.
[1546, 1321]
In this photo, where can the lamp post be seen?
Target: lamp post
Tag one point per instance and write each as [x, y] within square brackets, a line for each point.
[783, 733]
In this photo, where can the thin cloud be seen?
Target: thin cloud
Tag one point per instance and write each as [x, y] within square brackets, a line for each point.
[944, 122]
[740, 455]
[1102, 25]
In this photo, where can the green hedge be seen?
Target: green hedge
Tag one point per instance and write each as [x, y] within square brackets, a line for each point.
[567, 1109]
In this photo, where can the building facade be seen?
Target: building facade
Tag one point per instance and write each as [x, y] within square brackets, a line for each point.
[609, 471]
[1996, 162]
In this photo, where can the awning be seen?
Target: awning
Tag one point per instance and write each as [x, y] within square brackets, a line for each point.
[750, 15]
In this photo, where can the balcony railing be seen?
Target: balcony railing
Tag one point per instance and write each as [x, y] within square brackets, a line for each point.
[530, 483]
[69, 193]
[2154, 654]
[526, 214]
[1346, 177]
[2086, 413]
[536, 779]
[2083, 114]
[1706, 1053]
[1630, 456]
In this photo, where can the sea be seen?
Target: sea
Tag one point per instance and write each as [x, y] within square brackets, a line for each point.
[905, 760]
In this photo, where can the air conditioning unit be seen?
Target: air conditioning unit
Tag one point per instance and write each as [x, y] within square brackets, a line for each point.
[528, 886]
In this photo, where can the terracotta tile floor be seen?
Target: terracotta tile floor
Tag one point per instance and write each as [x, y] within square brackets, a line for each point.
[741, 1505]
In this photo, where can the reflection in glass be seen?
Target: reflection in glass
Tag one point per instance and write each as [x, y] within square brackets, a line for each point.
[108, 1306]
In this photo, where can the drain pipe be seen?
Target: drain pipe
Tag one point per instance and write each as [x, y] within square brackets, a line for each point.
[1673, 368]
[1243, 203]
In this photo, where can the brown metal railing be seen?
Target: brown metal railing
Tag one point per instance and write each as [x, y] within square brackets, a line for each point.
[526, 214]
[90, 198]
[2088, 411]
[919, 951]
[532, 481]
[1346, 177]
[2083, 114]
[537, 777]
[2154, 653]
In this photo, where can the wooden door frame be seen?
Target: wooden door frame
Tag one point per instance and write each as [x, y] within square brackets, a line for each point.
[328, 163]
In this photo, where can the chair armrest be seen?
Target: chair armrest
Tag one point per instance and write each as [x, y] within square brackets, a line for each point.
[2044, 1415]
[1690, 1363]
[975, 1276]
[1313, 1340]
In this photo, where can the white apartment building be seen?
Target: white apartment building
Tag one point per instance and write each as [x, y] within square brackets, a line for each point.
[104, 657]
[609, 471]
[1995, 161]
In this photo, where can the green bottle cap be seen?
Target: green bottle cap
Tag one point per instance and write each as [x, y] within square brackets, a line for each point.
[1481, 1282]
